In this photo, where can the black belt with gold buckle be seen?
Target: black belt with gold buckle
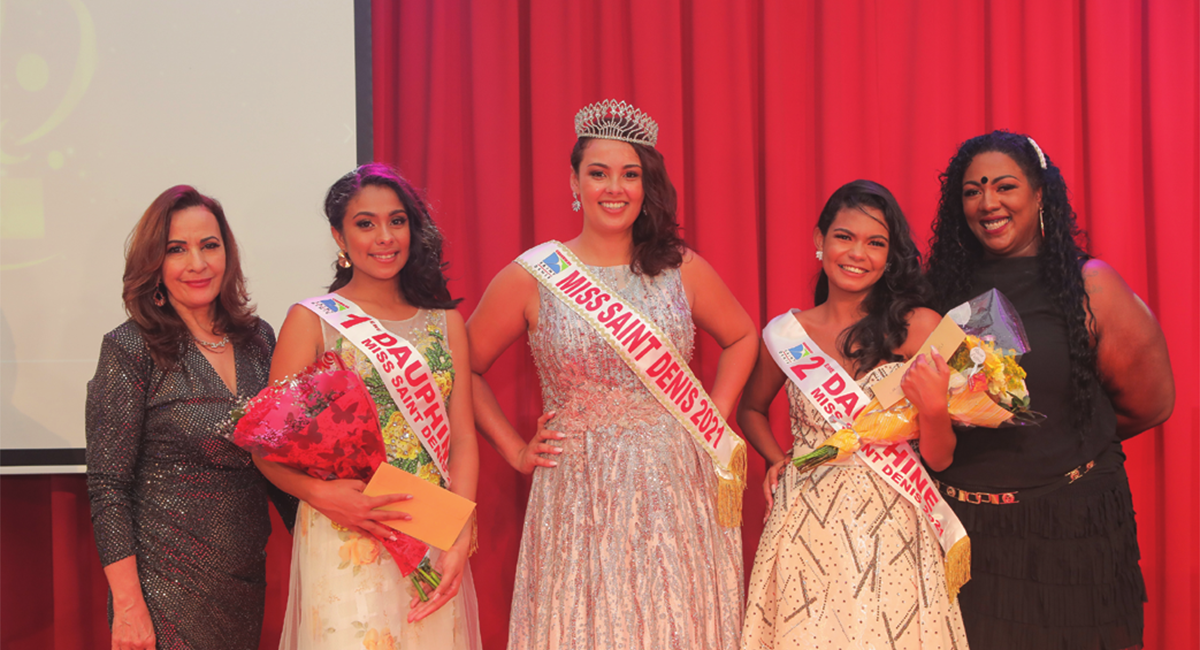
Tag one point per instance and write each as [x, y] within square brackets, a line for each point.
[1009, 498]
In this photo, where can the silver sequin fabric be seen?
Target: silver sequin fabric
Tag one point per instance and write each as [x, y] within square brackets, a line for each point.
[166, 486]
[621, 548]
[844, 560]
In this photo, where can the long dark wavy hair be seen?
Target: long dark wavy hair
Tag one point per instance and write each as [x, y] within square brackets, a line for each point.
[422, 281]
[874, 339]
[146, 250]
[657, 245]
[955, 252]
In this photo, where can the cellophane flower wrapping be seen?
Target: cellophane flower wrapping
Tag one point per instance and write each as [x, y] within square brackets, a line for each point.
[987, 384]
[322, 421]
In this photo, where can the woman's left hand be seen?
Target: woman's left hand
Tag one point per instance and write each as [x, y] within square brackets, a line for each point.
[926, 383]
[452, 565]
[770, 483]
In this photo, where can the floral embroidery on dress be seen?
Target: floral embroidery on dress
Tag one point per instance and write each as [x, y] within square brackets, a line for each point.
[357, 551]
[375, 639]
[404, 449]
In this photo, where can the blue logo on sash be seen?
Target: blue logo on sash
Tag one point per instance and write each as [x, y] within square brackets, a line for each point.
[797, 353]
[555, 263]
[332, 305]
[552, 265]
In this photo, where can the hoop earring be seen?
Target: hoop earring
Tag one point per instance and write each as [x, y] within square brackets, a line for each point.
[820, 256]
[158, 298]
[343, 260]
[576, 205]
[1042, 221]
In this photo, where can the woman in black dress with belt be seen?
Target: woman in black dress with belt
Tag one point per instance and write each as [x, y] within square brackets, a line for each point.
[1048, 507]
[180, 513]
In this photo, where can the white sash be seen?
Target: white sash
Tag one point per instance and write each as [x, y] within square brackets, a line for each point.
[839, 399]
[402, 368]
[651, 356]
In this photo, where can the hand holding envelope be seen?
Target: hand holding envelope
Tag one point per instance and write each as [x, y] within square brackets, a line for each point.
[438, 515]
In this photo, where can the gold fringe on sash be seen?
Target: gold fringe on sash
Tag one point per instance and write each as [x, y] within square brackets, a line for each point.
[958, 566]
[729, 490]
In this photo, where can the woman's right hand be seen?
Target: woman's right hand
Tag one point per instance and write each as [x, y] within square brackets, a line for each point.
[530, 456]
[771, 482]
[131, 627]
[343, 501]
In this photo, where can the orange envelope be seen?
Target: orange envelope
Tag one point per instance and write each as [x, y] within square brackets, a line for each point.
[438, 515]
[947, 336]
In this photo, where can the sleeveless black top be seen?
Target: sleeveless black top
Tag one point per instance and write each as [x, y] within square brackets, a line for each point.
[1015, 458]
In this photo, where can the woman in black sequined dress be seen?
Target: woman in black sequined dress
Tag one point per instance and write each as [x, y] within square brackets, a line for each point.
[1048, 507]
[180, 513]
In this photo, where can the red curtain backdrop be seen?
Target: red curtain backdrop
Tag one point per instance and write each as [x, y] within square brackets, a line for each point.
[765, 107]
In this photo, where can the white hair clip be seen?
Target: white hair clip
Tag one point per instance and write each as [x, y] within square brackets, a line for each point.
[1041, 156]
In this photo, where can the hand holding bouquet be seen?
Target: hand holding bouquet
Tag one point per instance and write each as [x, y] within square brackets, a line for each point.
[323, 421]
[987, 384]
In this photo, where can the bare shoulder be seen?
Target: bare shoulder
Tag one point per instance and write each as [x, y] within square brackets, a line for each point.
[921, 323]
[695, 270]
[692, 260]
[923, 319]
[456, 334]
[300, 320]
[513, 290]
[1100, 280]
[454, 320]
[1109, 296]
[300, 342]
[513, 285]
[507, 308]
[456, 327]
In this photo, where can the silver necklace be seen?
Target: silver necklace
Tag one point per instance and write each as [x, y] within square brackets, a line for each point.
[218, 346]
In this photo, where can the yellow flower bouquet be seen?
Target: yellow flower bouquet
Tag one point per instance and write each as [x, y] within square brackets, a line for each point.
[987, 384]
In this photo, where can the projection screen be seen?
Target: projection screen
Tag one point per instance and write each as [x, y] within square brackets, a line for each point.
[106, 103]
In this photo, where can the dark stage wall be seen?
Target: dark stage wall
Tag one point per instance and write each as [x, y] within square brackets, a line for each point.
[764, 107]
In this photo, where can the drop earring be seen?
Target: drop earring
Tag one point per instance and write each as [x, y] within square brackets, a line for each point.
[343, 260]
[576, 205]
[1042, 221]
[820, 256]
[158, 298]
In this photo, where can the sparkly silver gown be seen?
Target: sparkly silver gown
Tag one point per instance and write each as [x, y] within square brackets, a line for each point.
[167, 487]
[621, 546]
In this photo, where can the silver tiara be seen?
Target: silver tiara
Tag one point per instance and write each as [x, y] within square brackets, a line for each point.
[630, 125]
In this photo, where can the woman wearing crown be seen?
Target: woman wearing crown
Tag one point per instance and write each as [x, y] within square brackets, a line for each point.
[631, 536]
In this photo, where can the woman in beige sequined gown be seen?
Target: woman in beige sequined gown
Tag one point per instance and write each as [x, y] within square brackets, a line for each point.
[845, 561]
[621, 546]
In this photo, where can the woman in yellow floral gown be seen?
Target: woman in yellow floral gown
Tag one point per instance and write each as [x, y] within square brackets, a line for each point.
[346, 591]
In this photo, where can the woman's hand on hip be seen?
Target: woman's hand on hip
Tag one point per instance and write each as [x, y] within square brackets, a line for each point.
[532, 455]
